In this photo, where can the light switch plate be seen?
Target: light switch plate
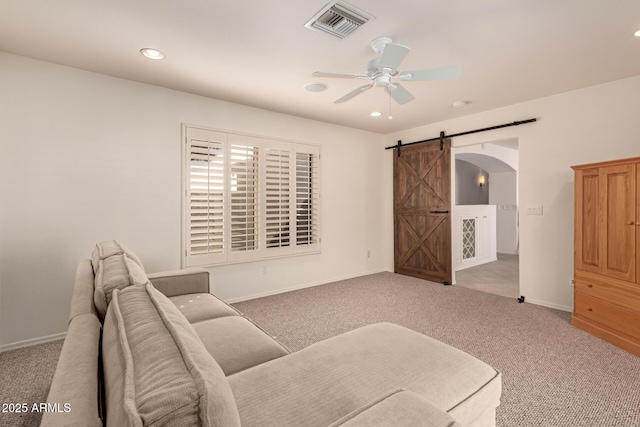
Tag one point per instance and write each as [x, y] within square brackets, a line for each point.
[534, 210]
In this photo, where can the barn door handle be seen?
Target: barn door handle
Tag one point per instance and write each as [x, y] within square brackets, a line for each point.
[441, 212]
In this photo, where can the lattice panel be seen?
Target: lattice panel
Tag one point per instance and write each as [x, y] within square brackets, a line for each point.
[468, 238]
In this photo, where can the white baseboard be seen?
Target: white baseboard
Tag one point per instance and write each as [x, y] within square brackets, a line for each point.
[303, 286]
[33, 341]
[549, 304]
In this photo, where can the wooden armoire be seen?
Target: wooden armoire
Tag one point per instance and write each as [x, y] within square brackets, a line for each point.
[607, 251]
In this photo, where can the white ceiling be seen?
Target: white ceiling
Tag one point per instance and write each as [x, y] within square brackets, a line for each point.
[258, 52]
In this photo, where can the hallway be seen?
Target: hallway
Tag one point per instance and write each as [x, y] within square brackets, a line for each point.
[498, 277]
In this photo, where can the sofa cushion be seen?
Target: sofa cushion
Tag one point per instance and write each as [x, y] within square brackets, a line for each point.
[401, 408]
[109, 248]
[157, 372]
[238, 344]
[115, 272]
[191, 280]
[199, 307]
[339, 375]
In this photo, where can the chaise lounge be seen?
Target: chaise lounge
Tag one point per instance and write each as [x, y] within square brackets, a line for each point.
[160, 349]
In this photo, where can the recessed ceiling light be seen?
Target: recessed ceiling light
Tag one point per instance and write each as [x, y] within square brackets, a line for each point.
[375, 114]
[150, 53]
[316, 87]
[637, 33]
[459, 104]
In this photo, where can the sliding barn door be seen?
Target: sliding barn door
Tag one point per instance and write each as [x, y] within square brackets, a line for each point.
[422, 211]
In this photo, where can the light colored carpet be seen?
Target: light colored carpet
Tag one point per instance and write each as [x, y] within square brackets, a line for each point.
[553, 373]
[25, 377]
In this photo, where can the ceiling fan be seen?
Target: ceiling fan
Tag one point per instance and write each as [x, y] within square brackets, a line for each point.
[384, 68]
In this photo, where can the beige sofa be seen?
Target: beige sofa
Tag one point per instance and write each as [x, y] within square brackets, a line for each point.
[160, 350]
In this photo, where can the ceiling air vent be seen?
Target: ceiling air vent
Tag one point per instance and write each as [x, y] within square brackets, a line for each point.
[338, 19]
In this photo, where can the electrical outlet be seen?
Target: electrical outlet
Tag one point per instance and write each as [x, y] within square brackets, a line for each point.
[264, 269]
[368, 254]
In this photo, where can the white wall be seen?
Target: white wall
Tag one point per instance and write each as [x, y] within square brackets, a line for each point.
[503, 194]
[587, 125]
[467, 184]
[86, 157]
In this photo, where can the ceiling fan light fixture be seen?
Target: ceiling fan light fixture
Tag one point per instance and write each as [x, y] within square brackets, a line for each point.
[383, 81]
[375, 114]
[151, 53]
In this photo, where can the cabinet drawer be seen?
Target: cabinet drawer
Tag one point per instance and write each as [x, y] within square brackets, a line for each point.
[611, 315]
[612, 290]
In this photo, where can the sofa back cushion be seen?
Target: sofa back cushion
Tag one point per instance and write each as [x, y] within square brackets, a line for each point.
[110, 248]
[115, 272]
[157, 371]
[114, 267]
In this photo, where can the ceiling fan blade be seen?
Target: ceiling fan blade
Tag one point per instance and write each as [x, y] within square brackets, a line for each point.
[440, 73]
[338, 76]
[399, 93]
[392, 55]
[353, 94]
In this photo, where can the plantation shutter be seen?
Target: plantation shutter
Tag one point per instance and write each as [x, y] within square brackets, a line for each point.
[278, 202]
[307, 203]
[206, 151]
[244, 169]
[247, 198]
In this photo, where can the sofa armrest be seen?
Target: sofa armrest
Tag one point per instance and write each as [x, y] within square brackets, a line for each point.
[400, 408]
[75, 390]
[82, 296]
[180, 282]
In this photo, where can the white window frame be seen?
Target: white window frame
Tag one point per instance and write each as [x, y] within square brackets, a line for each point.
[298, 201]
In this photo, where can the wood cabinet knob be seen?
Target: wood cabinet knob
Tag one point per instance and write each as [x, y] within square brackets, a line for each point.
[589, 285]
[589, 309]
[630, 223]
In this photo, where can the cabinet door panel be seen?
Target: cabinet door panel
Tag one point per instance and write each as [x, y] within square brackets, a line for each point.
[637, 218]
[617, 195]
[587, 217]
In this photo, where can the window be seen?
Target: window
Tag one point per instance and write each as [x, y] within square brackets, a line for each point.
[278, 197]
[307, 201]
[243, 165]
[248, 198]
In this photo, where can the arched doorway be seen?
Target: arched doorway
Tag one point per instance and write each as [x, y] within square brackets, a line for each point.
[485, 214]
